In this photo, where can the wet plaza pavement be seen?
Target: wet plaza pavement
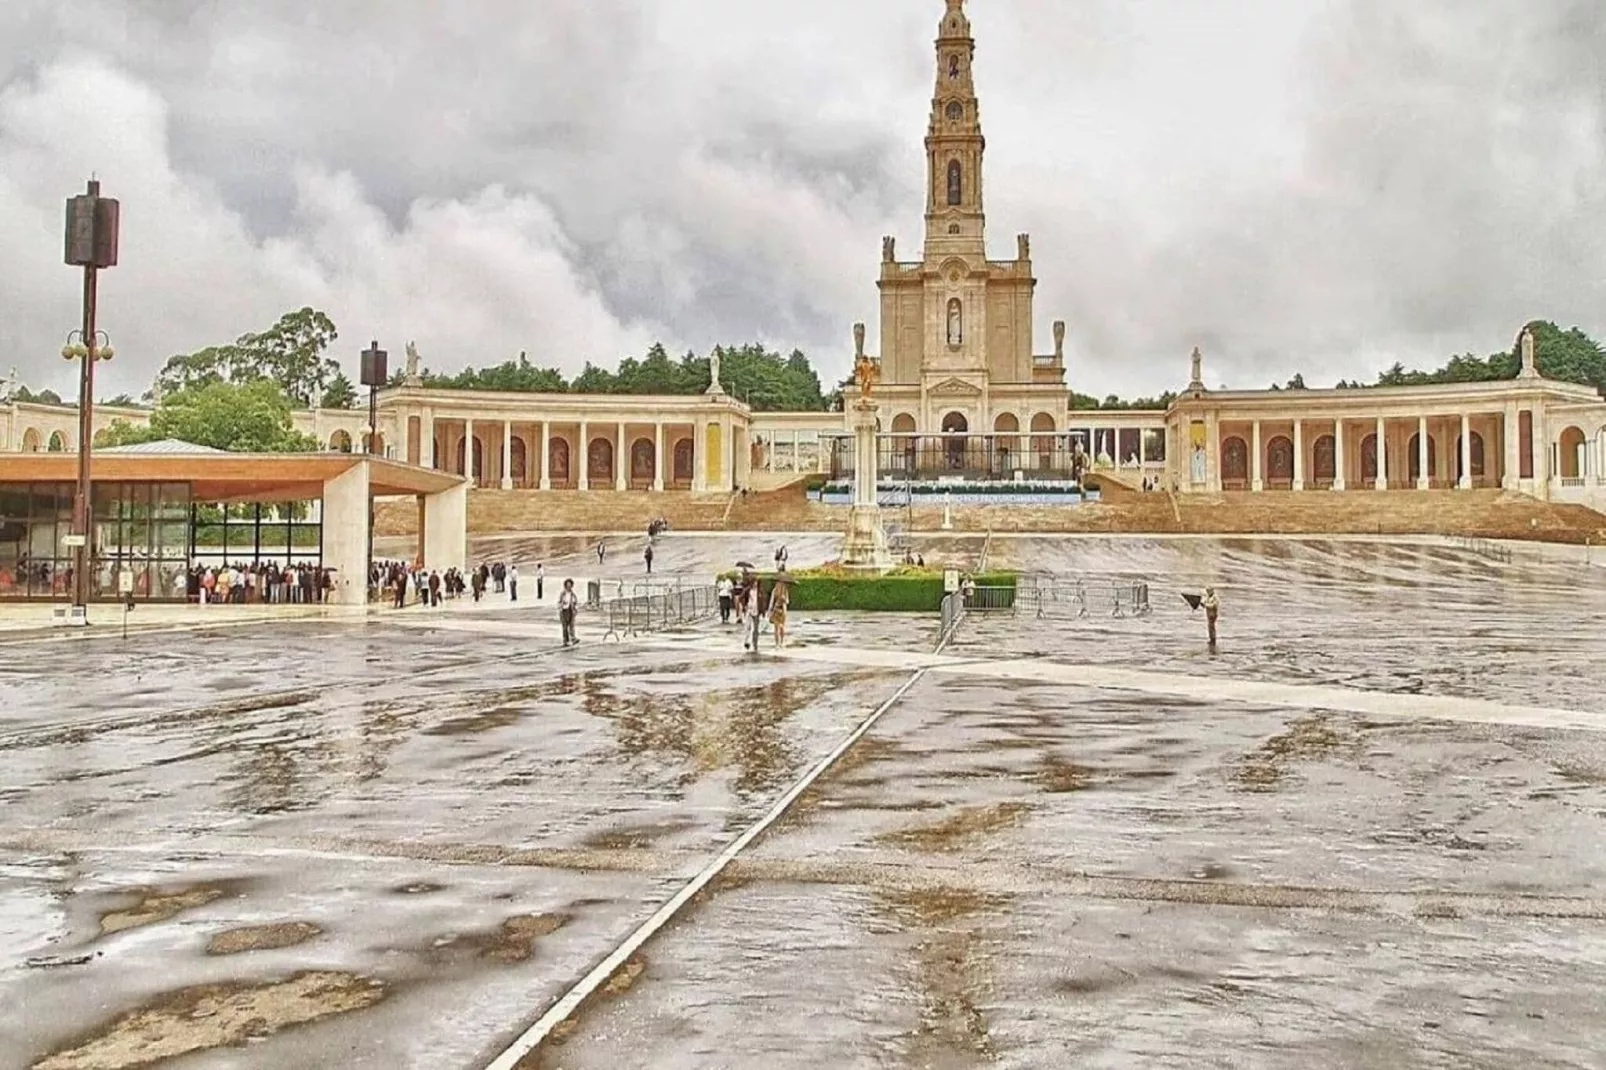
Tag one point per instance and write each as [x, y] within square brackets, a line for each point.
[1366, 832]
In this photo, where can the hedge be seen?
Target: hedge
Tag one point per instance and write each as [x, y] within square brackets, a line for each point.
[901, 591]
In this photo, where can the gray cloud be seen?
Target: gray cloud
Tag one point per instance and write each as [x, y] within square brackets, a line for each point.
[1323, 187]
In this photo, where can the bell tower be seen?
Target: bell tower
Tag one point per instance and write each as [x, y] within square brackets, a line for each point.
[955, 223]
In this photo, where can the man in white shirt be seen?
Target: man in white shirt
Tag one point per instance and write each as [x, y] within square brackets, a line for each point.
[513, 583]
[724, 589]
[568, 607]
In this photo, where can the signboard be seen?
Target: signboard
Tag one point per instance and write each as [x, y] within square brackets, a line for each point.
[950, 580]
[125, 582]
[74, 541]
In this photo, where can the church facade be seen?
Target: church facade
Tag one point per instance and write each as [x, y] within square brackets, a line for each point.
[957, 354]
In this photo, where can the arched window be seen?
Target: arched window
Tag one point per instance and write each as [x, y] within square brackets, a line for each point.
[956, 184]
[58, 442]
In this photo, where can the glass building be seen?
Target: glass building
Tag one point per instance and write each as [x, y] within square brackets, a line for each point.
[157, 532]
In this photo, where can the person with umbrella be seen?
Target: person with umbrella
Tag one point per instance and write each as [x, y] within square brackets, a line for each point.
[1212, 607]
[780, 600]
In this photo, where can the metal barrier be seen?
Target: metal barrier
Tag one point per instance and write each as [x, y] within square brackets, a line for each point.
[953, 610]
[988, 599]
[1048, 594]
[1132, 600]
[1485, 548]
[671, 608]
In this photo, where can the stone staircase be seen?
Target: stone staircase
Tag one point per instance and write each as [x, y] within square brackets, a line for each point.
[1489, 514]
[504, 511]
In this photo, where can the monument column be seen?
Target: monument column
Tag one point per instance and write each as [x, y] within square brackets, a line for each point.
[699, 465]
[658, 456]
[620, 475]
[507, 455]
[1212, 452]
[1299, 454]
[1465, 482]
[1541, 436]
[584, 458]
[1422, 474]
[1339, 480]
[1256, 483]
[468, 453]
[1382, 481]
[546, 455]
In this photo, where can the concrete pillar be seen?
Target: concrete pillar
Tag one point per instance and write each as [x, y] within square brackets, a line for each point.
[1542, 466]
[426, 448]
[658, 456]
[699, 467]
[1299, 455]
[1511, 464]
[1212, 453]
[1382, 481]
[620, 457]
[445, 534]
[1422, 474]
[507, 455]
[584, 480]
[1339, 481]
[468, 454]
[345, 534]
[1465, 482]
[546, 456]
[1256, 483]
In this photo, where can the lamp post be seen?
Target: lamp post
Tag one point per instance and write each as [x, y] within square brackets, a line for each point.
[373, 374]
[91, 243]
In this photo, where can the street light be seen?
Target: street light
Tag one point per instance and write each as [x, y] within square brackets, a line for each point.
[91, 243]
[373, 373]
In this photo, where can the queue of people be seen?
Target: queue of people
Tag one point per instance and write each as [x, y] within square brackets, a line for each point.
[261, 583]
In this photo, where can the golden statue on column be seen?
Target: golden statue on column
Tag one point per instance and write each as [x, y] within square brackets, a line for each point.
[865, 371]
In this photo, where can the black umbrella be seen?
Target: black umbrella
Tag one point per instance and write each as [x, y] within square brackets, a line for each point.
[1193, 600]
[744, 564]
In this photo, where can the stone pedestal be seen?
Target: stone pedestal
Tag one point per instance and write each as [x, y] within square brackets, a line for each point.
[865, 543]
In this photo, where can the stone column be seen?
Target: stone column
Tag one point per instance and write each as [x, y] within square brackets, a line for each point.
[426, 448]
[699, 466]
[507, 455]
[1541, 454]
[345, 509]
[1339, 480]
[584, 480]
[546, 456]
[1509, 447]
[621, 475]
[1212, 452]
[1465, 482]
[1423, 476]
[1382, 481]
[658, 456]
[1299, 455]
[1256, 483]
[468, 454]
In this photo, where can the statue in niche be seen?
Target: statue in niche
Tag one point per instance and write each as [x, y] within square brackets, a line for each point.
[1023, 246]
[956, 323]
[889, 249]
[956, 184]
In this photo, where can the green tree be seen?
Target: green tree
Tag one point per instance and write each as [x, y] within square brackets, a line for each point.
[252, 417]
[123, 433]
[290, 353]
[339, 394]
[122, 401]
[43, 397]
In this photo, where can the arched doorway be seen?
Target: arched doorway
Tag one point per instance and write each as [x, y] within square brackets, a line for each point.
[599, 462]
[58, 442]
[1475, 448]
[1234, 464]
[906, 449]
[558, 451]
[1006, 423]
[1043, 429]
[31, 440]
[1570, 463]
[955, 426]
[519, 462]
[479, 460]
[1414, 449]
[1369, 459]
[685, 462]
[643, 462]
[1005, 443]
[1324, 465]
[340, 442]
[1280, 462]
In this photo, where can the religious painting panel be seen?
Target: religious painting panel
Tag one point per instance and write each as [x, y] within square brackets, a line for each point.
[519, 458]
[599, 467]
[1414, 456]
[1154, 444]
[1196, 453]
[1234, 460]
[1280, 460]
[1525, 444]
[685, 456]
[1127, 441]
[558, 450]
[643, 459]
[1324, 459]
[1369, 458]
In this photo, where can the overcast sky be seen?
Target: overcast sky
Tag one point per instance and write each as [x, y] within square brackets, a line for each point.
[1324, 186]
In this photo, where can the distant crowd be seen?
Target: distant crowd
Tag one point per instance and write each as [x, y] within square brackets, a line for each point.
[263, 583]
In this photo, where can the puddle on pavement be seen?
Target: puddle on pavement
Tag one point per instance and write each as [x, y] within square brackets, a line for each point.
[1308, 739]
[549, 1055]
[262, 938]
[155, 906]
[956, 831]
[512, 942]
[949, 974]
[208, 1017]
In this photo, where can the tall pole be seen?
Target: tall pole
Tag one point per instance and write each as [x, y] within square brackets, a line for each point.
[374, 372]
[86, 436]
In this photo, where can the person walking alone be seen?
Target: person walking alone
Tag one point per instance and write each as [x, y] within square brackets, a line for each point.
[1212, 608]
[724, 588]
[540, 582]
[568, 606]
[513, 583]
[780, 599]
[646, 555]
